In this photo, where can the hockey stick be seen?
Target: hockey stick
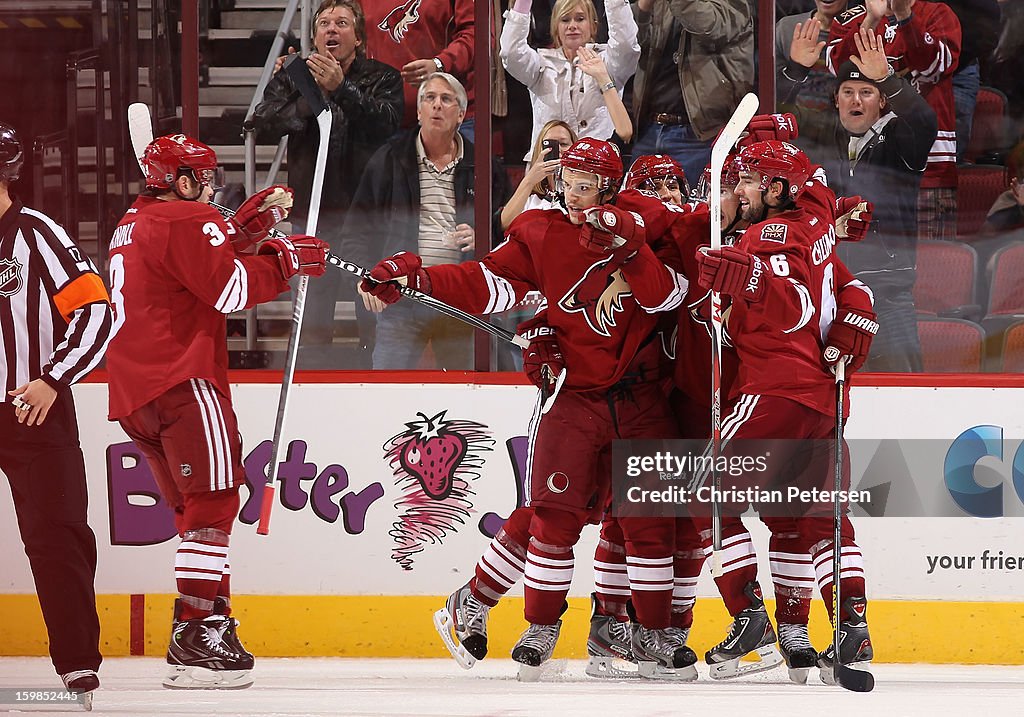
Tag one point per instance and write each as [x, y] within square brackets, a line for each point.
[140, 129]
[727, 139]
[298, 71]
[846, 677]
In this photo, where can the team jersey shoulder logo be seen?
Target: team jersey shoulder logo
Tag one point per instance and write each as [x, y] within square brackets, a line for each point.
[598, 296]
[397, 22]
[10, 277]
[774, 233]
[853, 12]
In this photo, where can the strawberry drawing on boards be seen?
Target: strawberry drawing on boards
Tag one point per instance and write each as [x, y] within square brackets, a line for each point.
[432, 454]
[434, 461]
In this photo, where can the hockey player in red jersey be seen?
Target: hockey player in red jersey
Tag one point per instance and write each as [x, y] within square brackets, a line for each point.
[605, 289]
[781, 277]
[175, 274]
[922, 40]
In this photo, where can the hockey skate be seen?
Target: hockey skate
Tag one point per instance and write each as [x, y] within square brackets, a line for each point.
[609, 646]
[751, 631]
[855, 649]
[663, 654]
[534, 648]
[462, 625]
[82, 683]
[200, 657]
[797, 651]
[230, 632]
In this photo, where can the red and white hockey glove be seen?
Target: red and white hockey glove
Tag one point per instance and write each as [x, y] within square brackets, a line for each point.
[542, 360]
[259, 214]
[402, 268]
[608, 229]
[853, 217]
[781, 127]
[733, 272]
[298, 255]
[850, 338]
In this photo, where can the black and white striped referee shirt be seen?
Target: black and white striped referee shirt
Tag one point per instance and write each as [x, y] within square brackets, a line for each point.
[55, 317]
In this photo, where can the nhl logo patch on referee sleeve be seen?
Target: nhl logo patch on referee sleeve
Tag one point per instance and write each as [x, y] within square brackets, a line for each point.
[774, 232]
[10, 277]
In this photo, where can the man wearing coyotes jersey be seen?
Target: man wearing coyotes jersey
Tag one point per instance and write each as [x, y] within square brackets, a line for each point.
[175, 274]
[781, 277]
[605, 288]
[922, 40]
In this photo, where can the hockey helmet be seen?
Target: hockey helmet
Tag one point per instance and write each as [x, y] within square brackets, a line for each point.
[11, 154]
[776, 160]
[730, 177]
[649, 167]
[597, 157]
[166, 157]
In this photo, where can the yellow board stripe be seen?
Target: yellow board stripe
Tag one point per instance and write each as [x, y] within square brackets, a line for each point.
[69, 22]
[32, 23]
[370, 626]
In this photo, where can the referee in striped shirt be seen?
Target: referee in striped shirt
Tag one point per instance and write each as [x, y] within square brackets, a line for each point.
[55, 321]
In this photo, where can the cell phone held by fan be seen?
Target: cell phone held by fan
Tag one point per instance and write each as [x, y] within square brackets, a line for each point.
[551, 149]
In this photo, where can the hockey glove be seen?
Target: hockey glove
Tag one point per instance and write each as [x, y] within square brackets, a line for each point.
[733, 272]
[850, 338]
[781, 127]
[853, 218]
[542, 360]
[402, 268]
[608, 229]
[259, 214]
[298, 255]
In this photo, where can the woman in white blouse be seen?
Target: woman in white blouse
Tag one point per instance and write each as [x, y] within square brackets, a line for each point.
[559, 87]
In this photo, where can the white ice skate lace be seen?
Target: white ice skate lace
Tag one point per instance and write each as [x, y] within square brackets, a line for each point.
[680, 633]
[794, 637]
[619, 631]
[213, 638]
[475, 613]
[541, 638]
[659, 642]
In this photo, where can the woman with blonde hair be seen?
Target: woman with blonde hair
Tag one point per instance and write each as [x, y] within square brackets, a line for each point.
[565, 81]
[537, 188]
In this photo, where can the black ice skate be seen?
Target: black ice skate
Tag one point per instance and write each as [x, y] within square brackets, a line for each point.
[854, 642]
[797, 651]
[534, 648]
[751, 631]
[462, 625]
[662, 654]
[230, 633]
[201, 658]
[82, 683]
[608, 646]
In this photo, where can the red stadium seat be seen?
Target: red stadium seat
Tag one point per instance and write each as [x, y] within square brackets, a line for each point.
[989, 128]
[977, 188]
[951, 345]
[946, 273]
[1006, 281]
[1013, 349]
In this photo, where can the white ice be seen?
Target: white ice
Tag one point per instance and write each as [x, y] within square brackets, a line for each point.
[347, 686]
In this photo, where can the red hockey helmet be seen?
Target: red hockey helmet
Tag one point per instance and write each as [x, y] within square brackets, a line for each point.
[730, 177]
[597, 157]
[166, 156]
[11, 154]
[649, 167]
[776, 160]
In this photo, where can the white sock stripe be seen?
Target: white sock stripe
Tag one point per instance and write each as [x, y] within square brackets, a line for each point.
[738, 563]
[503, 579]
[612, 589]
[794, 582]
[499, 563]
[737, 539]
[206, 548]
[534, 559]
[633, 560]
[194, 575]
[610, 578]
[609, 567]
[559, 587]
[789, 557]
[510, 557]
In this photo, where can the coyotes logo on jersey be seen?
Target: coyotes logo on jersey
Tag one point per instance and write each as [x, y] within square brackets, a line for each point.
[598, 296]
[396, 23]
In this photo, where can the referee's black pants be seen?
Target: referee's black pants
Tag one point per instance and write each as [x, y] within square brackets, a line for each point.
[45, 468]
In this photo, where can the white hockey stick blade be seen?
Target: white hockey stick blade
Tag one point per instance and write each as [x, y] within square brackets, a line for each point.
[140, 128]
[445, 626]
[549, 400]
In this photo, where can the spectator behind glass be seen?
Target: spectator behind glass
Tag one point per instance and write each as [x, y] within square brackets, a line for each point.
[537, 188]
[1006, 217]
[365, 99]
[1004, 68]
[818, 91]
[561, 87]
[923, 41]
[979, 23]
[697, 63]
[416, 195]
[879, 150]
[421, 37]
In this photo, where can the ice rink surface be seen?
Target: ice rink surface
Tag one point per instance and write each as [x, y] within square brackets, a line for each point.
[347, 686]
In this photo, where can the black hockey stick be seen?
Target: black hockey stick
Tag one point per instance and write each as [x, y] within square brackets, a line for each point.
[845, 677]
